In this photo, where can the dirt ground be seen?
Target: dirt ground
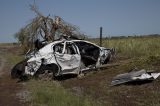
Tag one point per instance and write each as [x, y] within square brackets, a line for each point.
[12, 93]
[95, 85]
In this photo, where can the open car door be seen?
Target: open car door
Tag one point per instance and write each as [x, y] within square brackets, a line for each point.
[68, 57]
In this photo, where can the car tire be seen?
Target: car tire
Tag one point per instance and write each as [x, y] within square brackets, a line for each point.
[47, 72]
[18, 70]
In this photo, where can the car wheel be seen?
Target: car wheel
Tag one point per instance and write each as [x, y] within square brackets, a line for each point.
[47, 72]
[18, 70]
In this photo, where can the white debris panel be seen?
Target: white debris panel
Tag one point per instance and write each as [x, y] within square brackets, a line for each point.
[141, 75]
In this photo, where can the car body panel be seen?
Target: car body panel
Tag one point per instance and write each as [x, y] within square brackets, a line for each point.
[68, 55]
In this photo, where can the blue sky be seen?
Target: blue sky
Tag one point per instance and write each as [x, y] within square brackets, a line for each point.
[117, 17]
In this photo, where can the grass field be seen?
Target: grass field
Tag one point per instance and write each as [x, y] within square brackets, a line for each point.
[94, 88]
[46, 93]
[144, 50]
[135, 46]
[51, 93]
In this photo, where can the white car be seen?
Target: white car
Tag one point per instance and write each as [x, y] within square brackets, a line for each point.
[63, 57]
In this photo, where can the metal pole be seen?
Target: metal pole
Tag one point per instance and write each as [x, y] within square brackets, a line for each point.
[100, 36]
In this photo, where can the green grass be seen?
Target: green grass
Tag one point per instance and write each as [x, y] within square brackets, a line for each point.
[8, 44]
[47, 93]
[141, 52]
[13, 56]
[51, 93]
[133, 47]
[13, 59]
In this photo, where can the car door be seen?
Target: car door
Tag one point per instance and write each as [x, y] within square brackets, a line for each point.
[68, 57]
[89, 52]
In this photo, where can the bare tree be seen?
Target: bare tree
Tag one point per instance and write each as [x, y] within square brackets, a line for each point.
[46, 29]
[49, 27]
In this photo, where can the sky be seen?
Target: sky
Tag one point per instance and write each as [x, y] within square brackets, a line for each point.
[117, 17]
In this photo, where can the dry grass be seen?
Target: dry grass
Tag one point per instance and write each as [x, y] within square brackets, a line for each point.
[141, 52]
[133, 47]
[51, 93]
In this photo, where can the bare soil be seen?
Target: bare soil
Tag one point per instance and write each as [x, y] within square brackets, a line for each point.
[11, 92]
[95, 85]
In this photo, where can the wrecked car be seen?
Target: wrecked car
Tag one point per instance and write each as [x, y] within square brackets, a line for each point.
[63, 57]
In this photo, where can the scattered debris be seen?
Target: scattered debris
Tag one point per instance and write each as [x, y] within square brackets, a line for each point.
[135, 75]
[63, 57]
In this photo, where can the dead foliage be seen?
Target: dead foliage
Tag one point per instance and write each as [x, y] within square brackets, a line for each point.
[46, 29]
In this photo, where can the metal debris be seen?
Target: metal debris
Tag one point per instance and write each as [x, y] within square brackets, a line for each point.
[134, 75]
